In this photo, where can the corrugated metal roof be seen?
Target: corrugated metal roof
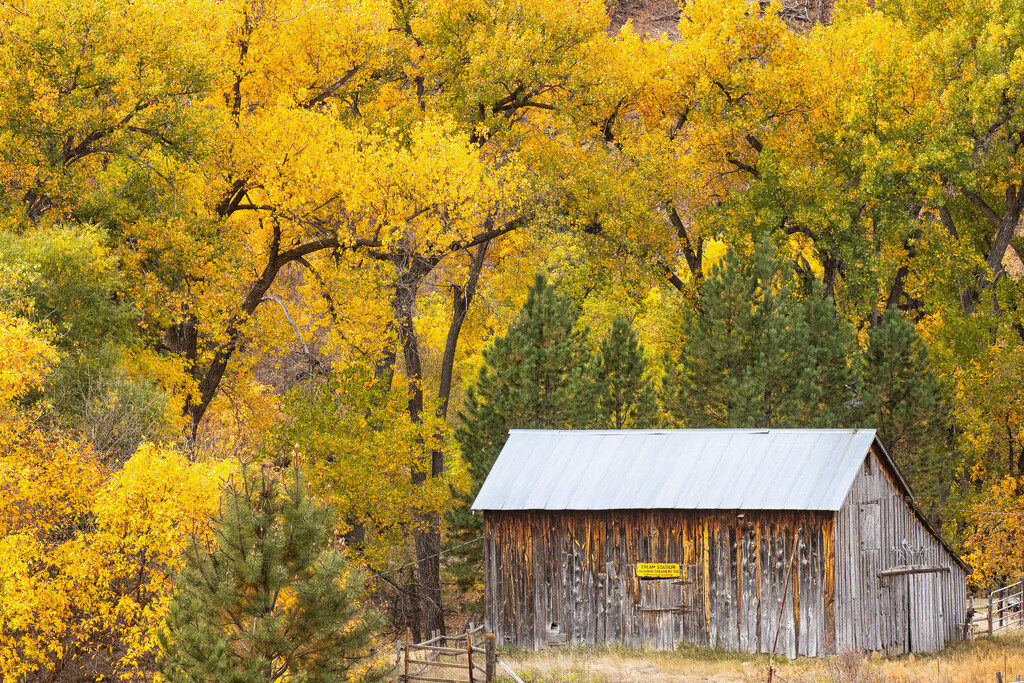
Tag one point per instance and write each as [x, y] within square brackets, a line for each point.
[692, 469]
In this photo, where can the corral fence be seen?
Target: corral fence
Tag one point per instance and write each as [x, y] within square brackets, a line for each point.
[1004, 608]
[1001, 613]
[469, 657]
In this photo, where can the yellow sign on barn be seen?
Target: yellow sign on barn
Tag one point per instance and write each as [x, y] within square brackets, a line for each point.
[657, 570]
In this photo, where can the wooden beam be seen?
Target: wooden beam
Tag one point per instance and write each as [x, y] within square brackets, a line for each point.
[911, 569]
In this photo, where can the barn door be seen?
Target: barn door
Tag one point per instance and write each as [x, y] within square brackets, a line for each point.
[924, 627]
[912, 609]
[666, 605]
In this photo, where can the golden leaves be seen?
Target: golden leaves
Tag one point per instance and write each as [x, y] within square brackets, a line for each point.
[28, 357]
[85, 560]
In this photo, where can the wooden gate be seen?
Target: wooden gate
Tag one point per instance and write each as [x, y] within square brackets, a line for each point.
[449, 659]
[1005, 608]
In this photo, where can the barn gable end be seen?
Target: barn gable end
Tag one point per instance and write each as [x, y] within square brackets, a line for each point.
[573, 556]
[878, 531]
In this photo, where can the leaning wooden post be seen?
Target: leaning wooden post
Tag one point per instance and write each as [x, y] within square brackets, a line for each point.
[782, 607]
[469, 653]
[491, 657]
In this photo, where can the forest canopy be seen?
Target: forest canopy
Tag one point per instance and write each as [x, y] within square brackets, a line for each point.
[274, 231]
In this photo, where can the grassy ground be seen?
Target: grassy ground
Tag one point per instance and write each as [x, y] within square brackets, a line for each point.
[977, 660]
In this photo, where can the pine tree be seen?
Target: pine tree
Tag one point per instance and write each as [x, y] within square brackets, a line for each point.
[540, 375]
[904, 400]
[627, 398]
[269, 597]
[759, 353]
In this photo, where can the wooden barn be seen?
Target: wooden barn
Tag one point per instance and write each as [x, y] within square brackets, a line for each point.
[719, 538]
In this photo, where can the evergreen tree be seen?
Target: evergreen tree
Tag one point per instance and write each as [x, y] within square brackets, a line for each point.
[269, 597]
[904, 401]
[540, 375]
[759, 354]
[627, 398]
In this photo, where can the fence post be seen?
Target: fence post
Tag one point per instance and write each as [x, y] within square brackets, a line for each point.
[469, 653]
[405, 677]
[489, 666]
[1020, 602]
[990, 614]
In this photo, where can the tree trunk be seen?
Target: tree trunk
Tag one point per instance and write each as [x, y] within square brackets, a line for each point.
[209, 380]
[428, 541]
[898, 288]
[414, 611]
[428, 562]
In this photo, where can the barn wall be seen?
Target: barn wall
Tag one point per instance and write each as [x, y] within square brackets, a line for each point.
[570, 577]
[876, 530]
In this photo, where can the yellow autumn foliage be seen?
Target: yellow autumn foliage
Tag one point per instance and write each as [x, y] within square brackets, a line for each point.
[27, 357]
[994, 525]
[86, 556]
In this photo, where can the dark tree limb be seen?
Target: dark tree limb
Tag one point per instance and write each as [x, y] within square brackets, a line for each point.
[742, 166]
[898, 288]
[985, 209]
[947, 221]
[1007, 227]
[333, 88]
[607, 131]
[680, 121]
[228, 205]
[833, 269]
[694, 256]
[461, 299]
[332, 310]
[254, 297]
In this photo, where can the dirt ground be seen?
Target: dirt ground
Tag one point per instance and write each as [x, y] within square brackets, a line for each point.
[974, 661]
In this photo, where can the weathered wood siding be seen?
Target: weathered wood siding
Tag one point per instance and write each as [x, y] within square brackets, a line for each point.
[570, 577]
[876, 530]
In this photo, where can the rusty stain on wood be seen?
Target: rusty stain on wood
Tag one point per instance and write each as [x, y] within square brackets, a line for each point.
[593, 593]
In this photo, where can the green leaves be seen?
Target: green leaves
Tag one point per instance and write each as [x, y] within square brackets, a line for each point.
[905, 401]
[540, 375]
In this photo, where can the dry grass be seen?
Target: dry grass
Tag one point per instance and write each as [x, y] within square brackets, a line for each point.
[975, 661]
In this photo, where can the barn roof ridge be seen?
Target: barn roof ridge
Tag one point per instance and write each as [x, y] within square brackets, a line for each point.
[722, 430]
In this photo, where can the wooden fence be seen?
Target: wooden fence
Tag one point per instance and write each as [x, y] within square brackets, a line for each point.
[469, 657]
